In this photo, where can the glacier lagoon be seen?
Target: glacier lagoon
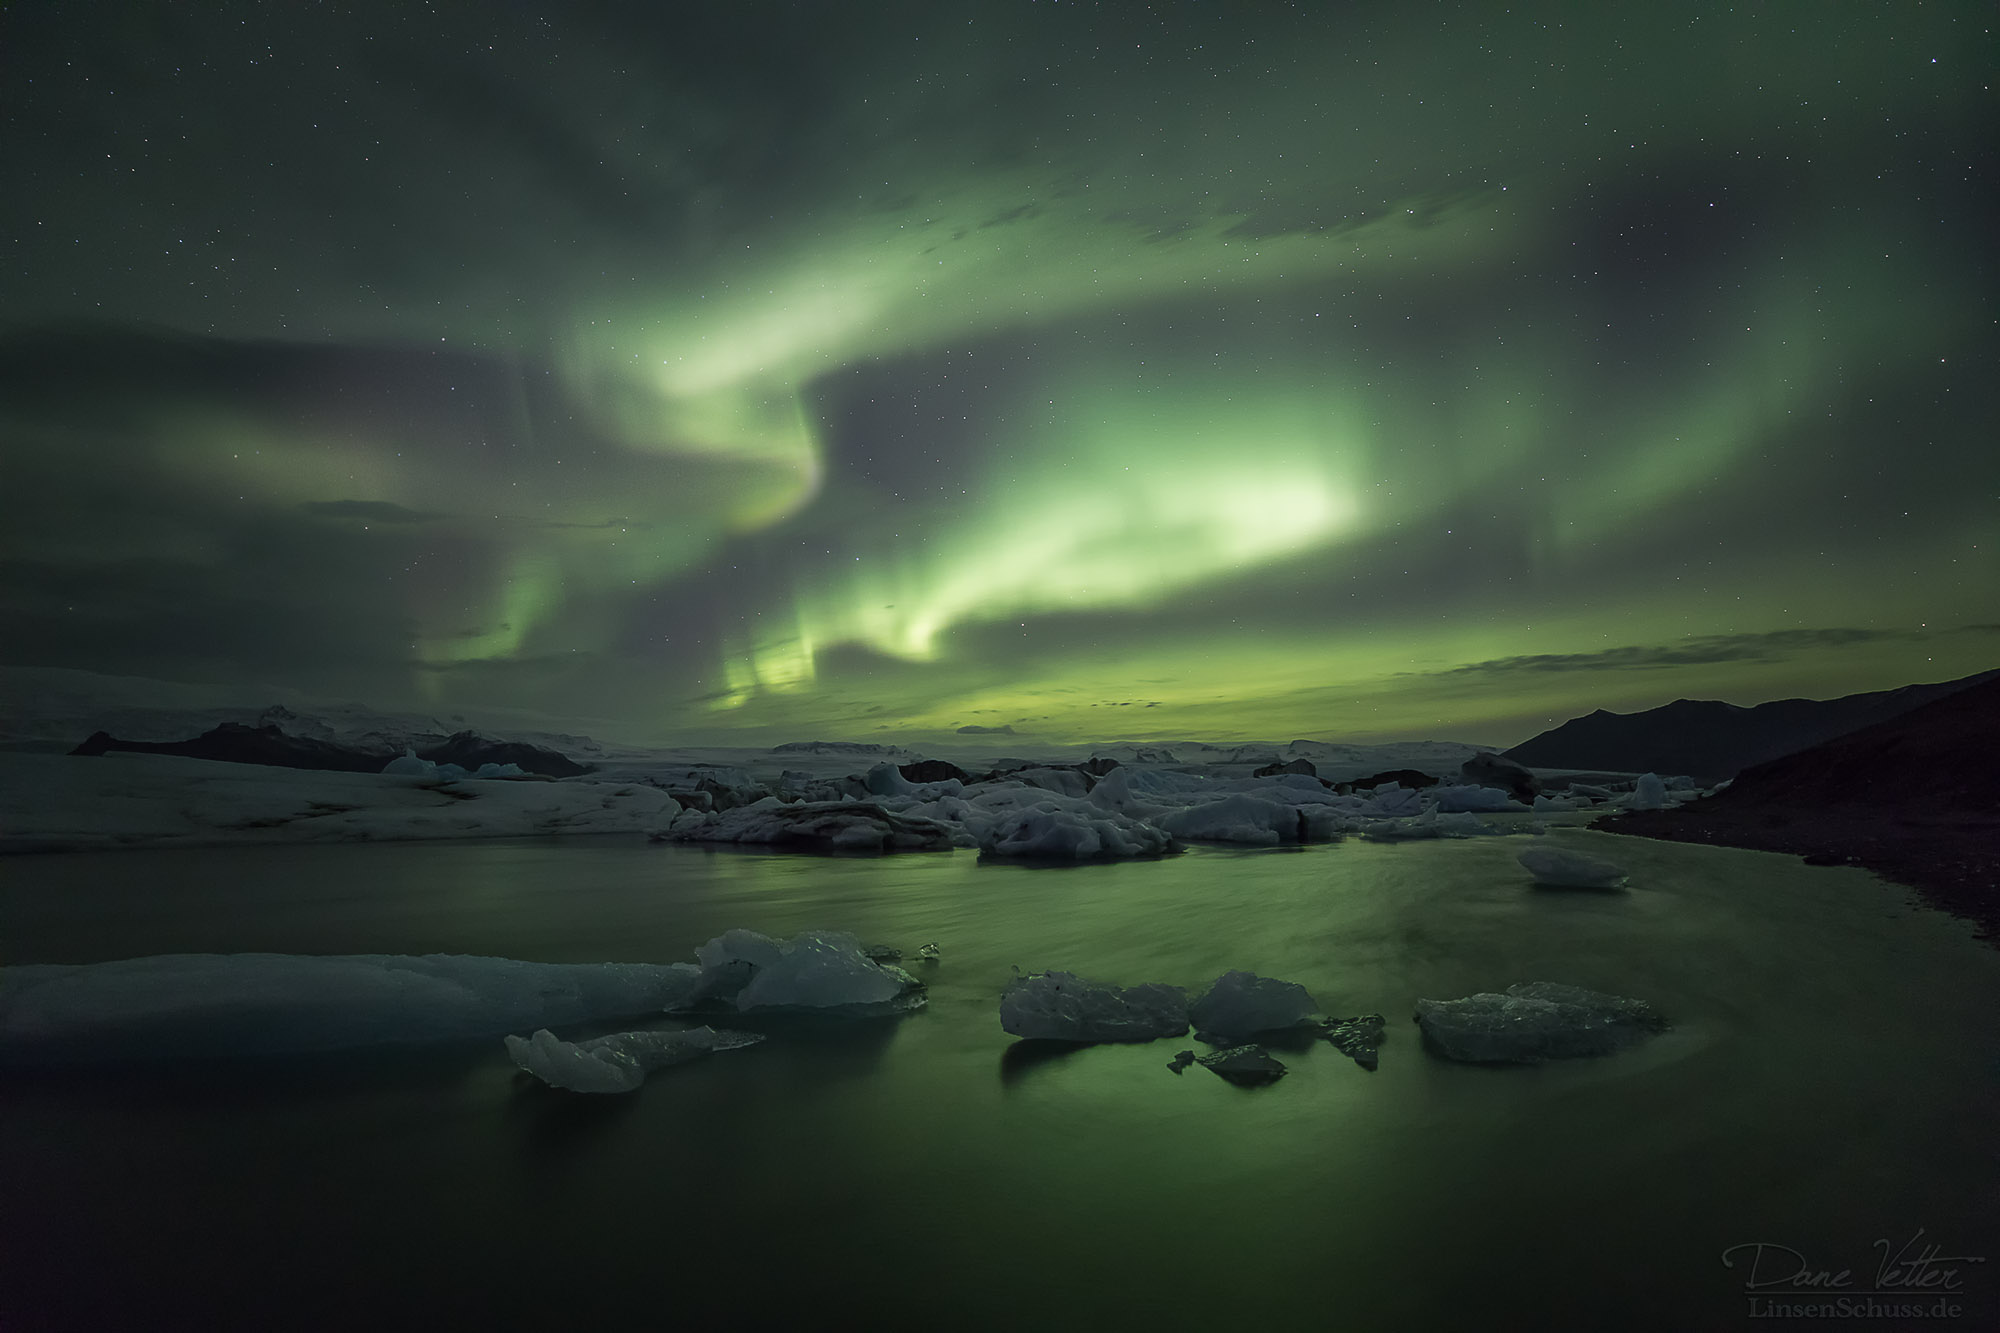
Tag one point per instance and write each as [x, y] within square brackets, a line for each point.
[1828, 1083]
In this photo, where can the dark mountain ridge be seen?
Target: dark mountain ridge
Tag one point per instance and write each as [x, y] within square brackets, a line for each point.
[1709, 740]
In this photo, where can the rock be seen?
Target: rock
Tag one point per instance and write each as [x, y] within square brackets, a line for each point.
[933, 770]
[1358, 1038]
[929, 953]
[1241, 1004]
[1487, 769]
[1562, 868]
[1061, 1006]
[1245, 1066]
[1535, 1021]
[1296, 766]
[1181, 1060]
[469, 751]
[1392, 777]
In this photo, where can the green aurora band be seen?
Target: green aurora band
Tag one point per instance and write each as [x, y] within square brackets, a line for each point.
[1302, 378]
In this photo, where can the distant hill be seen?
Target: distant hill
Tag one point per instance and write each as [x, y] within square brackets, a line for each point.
[1710, 740]
[1916, 798]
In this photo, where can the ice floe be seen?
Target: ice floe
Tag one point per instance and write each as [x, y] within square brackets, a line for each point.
[816, 969]
[1563, 868]
[1535, 1021]
[173, 1006]
[1240, 1004]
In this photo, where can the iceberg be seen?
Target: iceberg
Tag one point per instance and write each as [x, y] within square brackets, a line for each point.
[1535, 1021]
[177, 1006]
[1562, 868]
[1239, 1004]
[1057, 828]
[816, 969]
[1061, 1006]
[619, 1062]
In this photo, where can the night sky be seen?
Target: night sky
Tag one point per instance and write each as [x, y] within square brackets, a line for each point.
[774, 372]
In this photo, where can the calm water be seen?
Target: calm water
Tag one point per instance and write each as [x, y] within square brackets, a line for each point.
[1832, 1080]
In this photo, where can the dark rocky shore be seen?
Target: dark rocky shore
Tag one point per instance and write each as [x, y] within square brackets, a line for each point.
[1915, 799]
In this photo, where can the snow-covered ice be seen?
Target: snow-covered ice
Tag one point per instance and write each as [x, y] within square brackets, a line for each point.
[1240, 1004]
[619, 1062]
[119, 800]
[1535, 1021]
[1061, 1006]
[1564, 868]
[187, 1005]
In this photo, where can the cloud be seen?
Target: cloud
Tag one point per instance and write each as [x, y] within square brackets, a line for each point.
[1701, 651]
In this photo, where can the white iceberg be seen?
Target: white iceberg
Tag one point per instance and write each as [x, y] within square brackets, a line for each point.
[1058, 828]
[1568, 869]
[1535, 1021]
[175, 1006]
[1061, 1006]
[1239, 1004]
[815, 969]
[1649, 793]
[619, 1062]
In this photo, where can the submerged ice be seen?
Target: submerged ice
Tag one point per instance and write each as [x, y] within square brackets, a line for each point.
[619, 1062]
[190, 1005]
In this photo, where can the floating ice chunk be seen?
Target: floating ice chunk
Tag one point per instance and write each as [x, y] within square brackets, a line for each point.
[822, 971]
[1181, 1060]
[1056, 829]
[1061, 1006]
[1460, 800]
[617, 1063]
[1245, 1066]
[1535, 1021]
[744, 970]
[192, 1005]
[1648, 794]
[1568, 869]
[1240, 1004]
[1238, 818]
[837, 826]
[1359, 1038]
[407, 765]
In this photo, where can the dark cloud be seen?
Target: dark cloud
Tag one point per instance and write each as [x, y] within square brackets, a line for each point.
[1706, 650]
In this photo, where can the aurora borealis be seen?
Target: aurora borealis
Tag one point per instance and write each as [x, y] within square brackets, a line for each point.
[864, 370]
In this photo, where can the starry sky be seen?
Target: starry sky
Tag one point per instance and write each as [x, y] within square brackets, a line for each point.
[761, 372]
